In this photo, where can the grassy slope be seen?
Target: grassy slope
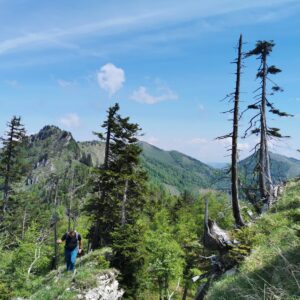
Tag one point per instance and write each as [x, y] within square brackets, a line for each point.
[272, 271]
[63, 285]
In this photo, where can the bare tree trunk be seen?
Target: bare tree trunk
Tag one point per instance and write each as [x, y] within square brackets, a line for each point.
[55, 228]
[123, 211]
[70, 202]
[96, 239]
[6, 187]
[24, 223]
[263, 154]
[170, 295]
[56, 193]
[107, 145]
[185, 291]
[37, 254]
[234, 155]
[55, 246]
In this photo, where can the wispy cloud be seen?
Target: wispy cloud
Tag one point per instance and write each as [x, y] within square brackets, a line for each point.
[65, 83]
[150, 140]
[12, 83]
[200, 107]
[164, 93]
[141, 95]
[159, 17]
[111, 78]
[56, 37]
[198, 141]
[70, 120]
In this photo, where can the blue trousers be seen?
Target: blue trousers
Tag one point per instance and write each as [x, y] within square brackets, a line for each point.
[70, 256]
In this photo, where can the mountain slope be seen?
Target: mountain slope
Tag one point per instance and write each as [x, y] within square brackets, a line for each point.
[282, 167]
[177, 170]
[53, 150]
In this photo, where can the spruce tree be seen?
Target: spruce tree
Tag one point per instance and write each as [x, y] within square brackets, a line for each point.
[118, 184]
[258, 123]
[11, 164]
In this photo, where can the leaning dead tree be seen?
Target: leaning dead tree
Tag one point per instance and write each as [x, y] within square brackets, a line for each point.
[235, 98]
[258, 124]
[214, 239]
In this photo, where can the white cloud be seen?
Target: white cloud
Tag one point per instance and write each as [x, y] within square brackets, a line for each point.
[111, 78]
[70, 120]
[224, 142]
[198, 141]
[151, 140]
[243, 146]
[200, 107]
[164, 93]
[65, 83]
[12, 83]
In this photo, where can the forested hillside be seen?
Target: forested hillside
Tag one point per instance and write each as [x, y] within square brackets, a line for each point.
[282, 167]
[52, 150]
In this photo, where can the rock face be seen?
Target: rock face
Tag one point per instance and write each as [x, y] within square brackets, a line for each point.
[107, 288]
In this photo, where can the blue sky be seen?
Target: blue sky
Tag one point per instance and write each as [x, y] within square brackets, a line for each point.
[166, 62]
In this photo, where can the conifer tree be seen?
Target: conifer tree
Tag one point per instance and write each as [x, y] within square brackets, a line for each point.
[235, 97]
[118, 184]
[11, 164]
[258, 123]
[102, 180]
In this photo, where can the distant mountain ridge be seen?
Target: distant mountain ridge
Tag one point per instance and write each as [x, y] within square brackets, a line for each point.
[282, 167]
[53, 150]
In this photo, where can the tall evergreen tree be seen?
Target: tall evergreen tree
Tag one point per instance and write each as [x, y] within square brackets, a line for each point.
[258, 123]
[235, 97]
[101, 182]
[118, 183]
[11, 164]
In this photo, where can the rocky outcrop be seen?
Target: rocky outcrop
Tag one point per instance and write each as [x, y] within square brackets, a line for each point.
[107, 288]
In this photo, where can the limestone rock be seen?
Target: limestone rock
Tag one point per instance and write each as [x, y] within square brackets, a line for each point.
[107, 288]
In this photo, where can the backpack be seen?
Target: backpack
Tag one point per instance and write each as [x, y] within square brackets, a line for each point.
[76, 235]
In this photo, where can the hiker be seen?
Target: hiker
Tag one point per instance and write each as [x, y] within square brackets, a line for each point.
[72, 239]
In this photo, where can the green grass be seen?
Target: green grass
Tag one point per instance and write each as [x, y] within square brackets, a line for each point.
[64, 285]
[272, 270]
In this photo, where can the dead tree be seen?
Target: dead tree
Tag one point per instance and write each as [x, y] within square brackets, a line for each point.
[214, 237]
[54, 221]
[37, 251]
[235, 97]
[258, 123]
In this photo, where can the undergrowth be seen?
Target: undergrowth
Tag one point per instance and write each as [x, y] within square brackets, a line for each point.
[272, 269]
